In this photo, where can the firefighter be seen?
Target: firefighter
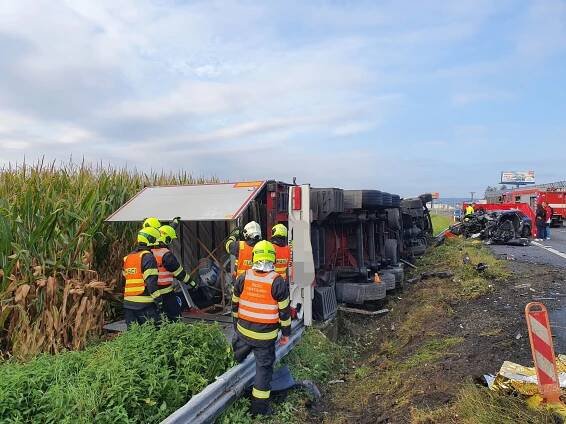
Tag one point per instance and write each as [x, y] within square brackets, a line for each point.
[152, 222]
[168, 268]
[282, 250]
[260, 307]
[242, 249]
[141, 294]
[469, 210]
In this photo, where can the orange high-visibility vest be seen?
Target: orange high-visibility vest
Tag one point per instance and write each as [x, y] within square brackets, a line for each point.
[244, 261]
[164, 277]
[282, 260]
[135, 284]
[256, 303]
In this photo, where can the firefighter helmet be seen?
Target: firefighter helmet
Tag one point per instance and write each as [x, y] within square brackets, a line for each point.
[168, 233]
[279, 230]
[252, 231]
[149, 236]
[264, 251]
[152, 222]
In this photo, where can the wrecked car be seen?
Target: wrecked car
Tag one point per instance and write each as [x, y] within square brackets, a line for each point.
[507, 227]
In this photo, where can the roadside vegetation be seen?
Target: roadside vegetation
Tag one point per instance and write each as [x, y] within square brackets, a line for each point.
[410, 365]
[59, 262]
[141, 376]
[315, 358]
[440, 223]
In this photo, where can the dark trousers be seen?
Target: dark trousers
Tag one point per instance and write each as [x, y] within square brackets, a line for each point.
[264, 360]
[541, 230]
[171, 306]
[141, 315]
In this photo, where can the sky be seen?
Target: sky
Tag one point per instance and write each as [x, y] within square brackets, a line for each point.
[400, 96]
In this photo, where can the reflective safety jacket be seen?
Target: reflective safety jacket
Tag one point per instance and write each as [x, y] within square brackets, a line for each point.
[282, 260]
[469, 210]
[260, 307]
[244, 260]
[169, 268]
[140, 273]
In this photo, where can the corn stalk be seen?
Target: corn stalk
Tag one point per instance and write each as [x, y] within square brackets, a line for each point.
[59, 260]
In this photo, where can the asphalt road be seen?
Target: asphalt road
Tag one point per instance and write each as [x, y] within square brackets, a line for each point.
[546, 253]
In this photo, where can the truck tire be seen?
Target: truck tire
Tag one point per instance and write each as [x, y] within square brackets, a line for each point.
[526, 231]
[393, 219]
[412, 204]
[399, 274]
[387, 279]
[372, 199]
[395, 201]
[391, 252]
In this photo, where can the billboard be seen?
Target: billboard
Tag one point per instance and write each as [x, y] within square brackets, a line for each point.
[518, 177]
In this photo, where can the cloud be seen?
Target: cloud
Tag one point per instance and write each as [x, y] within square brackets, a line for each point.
[215, 85]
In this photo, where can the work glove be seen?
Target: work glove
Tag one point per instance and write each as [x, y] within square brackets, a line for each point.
[236, 233]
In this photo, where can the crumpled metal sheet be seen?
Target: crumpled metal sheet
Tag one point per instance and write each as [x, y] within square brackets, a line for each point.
[522, 379]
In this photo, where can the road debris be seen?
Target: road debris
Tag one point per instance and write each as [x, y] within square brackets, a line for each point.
[362, 311]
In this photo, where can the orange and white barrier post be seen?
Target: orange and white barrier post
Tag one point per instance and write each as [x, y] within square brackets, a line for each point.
[543, 351]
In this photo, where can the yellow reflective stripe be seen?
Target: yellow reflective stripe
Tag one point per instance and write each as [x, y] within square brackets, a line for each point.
[134, 280]
[285, 323]
[178, 271]
[235, 298]
[139, 299]
[260, 394]
[187, 279]
[283, 304]
[164, 290]
[155, 294]
[151, 271]
[235, 314]
[255, 335]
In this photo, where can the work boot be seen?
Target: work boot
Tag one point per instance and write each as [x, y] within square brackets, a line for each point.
[261, 407]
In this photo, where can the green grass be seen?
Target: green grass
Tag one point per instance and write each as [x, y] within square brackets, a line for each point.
[440, 223]
[141, 376]
[314, 358]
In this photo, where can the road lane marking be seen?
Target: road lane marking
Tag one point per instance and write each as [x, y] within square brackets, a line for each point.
[550, 249]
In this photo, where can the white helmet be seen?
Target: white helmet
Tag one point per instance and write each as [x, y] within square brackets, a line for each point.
[252, 231]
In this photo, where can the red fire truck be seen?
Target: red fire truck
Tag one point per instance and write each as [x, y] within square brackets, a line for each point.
[555, 197]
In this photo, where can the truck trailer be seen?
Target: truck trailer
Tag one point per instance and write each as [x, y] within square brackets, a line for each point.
[347, 247]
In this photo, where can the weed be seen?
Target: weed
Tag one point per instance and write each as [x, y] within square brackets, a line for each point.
[139, 377]
[495, 408]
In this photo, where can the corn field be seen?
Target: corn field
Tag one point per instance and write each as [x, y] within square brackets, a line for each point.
[59, 262]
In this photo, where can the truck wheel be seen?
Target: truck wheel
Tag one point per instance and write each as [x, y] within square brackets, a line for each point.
[393, 219]
[526, 231]
[391, 253]
[372, 199]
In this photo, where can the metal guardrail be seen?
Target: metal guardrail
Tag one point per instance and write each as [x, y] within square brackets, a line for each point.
[206, 406]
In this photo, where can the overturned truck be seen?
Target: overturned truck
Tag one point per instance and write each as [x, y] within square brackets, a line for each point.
[347, 247]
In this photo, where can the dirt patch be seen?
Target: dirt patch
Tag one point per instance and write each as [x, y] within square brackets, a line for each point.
[440, 334]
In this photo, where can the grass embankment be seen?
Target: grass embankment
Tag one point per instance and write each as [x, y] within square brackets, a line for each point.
[141, 376]
[314, 358]
[440, 223]
[415, 372]
[59, 261]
